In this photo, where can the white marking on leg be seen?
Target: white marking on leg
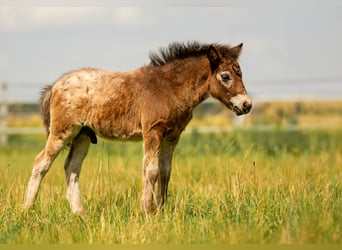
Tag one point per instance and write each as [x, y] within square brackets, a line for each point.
[41, 166]
[150, 174]
[73, 194]
[72, 166]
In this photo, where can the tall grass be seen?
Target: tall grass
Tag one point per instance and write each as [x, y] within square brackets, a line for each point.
[241, 187]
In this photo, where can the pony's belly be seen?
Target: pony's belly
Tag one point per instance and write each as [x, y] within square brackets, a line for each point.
[114, 128]
[125, 136]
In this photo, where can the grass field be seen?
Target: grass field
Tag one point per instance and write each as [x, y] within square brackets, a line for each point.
[247, 186]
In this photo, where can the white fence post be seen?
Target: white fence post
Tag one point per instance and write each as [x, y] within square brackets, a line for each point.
[3, 115]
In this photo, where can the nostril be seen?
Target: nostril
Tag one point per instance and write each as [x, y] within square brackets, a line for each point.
[247, 106]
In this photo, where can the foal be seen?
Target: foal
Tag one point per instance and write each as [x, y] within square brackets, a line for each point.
[153, 103]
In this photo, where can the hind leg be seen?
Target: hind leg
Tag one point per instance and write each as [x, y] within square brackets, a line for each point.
[72, 166]
[41, 166]
[44, 161]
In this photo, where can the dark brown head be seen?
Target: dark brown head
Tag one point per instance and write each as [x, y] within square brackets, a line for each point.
[225, 83]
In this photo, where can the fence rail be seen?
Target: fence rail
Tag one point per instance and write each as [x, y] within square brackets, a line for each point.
[3, 114]
[261, 91]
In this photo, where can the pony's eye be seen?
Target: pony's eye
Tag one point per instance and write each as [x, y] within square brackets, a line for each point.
[225, 76]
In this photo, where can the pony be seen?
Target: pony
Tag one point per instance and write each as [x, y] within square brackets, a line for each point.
[154, 103]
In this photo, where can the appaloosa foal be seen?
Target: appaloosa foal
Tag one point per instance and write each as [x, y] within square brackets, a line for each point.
[153, 103]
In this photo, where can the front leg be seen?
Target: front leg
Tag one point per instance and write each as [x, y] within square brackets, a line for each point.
[165, 164]
[150, 175]
[150, 170]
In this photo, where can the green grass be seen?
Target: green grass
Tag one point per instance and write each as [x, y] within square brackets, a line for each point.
[241, 187]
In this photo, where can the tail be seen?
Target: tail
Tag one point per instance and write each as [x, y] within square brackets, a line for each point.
[44, 104]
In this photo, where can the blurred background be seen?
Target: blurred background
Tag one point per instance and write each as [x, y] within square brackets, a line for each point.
[291, 60]
[270, 177]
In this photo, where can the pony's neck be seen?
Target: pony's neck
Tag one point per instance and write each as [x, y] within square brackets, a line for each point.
[190, 80]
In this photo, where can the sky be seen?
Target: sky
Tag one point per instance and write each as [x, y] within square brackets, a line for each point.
[291, 48]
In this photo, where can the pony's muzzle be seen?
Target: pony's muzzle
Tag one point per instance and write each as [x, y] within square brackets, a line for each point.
[241, 104]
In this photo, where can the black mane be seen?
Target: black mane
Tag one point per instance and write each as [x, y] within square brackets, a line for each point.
[177, 51]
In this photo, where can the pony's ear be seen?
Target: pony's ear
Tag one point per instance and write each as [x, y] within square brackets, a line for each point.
[236, 51]
[213, 56]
